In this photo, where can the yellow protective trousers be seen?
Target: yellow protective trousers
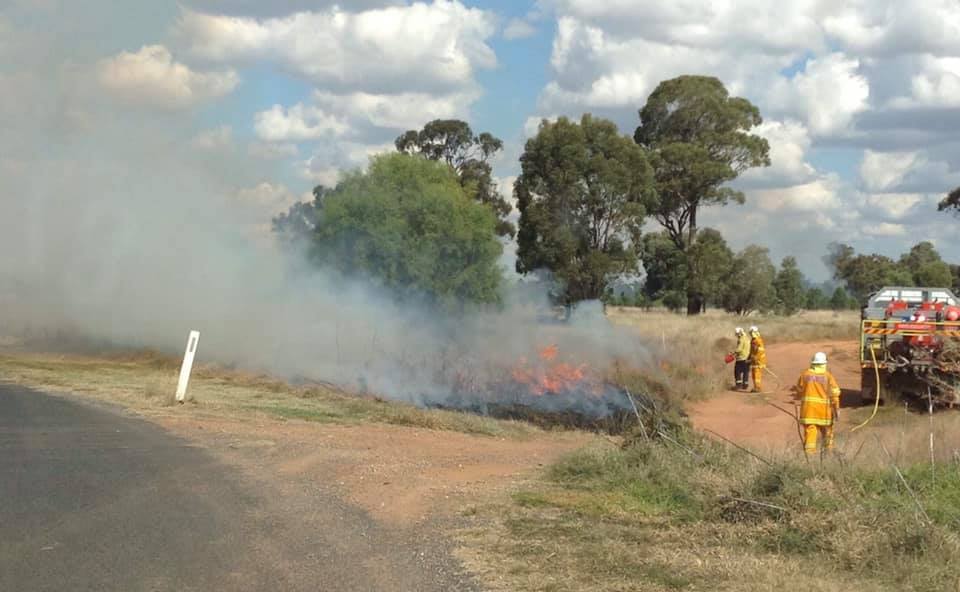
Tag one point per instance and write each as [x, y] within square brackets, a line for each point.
[811, 433]
[756, 372]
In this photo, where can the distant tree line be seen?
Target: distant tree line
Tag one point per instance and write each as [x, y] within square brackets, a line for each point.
[429, 221]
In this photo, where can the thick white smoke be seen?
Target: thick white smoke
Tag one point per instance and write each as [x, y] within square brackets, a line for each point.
[114, 226]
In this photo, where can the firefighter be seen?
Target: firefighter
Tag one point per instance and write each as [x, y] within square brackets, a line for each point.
[818, 397]
[741, 365]
[758, 359]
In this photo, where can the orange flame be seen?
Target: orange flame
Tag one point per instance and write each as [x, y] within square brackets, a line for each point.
[552, 376]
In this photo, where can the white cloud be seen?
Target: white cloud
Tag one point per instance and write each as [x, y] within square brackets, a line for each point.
[816, 196]
[518, 29]
[892, 206]
[318, 170]
[884, 229]
[880, 171]
[936, 85]
[828, 93]
[789, 142]
[885, 27]
[150, 77]
[297, 123]
[396, 112]
[218, 138]
[780, 27]
[428, 47]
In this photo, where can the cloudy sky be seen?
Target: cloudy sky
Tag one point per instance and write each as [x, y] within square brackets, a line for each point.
[861, 99]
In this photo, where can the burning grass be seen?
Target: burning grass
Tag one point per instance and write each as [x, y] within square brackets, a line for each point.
[145, 382]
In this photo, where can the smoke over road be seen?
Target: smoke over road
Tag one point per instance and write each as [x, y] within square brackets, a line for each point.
[118, 226]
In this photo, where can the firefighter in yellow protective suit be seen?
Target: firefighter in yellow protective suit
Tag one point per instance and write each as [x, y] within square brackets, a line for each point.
[758, 359]
[818, 395]
[741, 355]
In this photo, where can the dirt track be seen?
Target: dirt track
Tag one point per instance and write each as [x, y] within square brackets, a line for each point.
[747, 419]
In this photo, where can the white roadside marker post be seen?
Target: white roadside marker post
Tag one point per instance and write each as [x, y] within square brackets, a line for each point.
[187, 365]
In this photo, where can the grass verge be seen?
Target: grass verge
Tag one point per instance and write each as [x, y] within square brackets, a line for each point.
[146, 382]
[696, 515]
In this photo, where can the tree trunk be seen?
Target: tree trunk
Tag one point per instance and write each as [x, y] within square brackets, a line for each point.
[695, 302]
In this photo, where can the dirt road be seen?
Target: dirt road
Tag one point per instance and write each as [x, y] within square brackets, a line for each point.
[749, 420]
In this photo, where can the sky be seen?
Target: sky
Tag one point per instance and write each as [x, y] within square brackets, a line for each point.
[860, 99]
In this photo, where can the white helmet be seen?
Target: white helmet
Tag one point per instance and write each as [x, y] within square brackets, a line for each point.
[819, 359]
[754, 329]
[738, 330]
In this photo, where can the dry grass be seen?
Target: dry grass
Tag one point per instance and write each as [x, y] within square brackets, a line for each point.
[655, 517]
[146, 383]
[715, 325]
[690, 350]
[698, 515]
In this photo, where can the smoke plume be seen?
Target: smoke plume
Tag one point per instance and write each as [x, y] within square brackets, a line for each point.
[121, 226]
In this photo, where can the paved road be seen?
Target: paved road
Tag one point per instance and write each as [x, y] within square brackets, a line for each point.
[93, 500]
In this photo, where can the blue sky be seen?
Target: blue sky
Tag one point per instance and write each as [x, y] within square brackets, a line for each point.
[861, 102]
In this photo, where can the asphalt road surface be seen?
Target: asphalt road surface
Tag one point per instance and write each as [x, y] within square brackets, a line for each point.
[93, 500]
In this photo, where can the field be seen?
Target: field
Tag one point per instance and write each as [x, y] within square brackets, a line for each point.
[741, 510]
[719, 498]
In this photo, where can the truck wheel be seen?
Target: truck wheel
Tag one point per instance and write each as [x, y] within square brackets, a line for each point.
[868, 387]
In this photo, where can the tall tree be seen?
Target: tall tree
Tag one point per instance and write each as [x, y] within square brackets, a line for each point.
[815, 299]
[840, 300]
[749, 287]
[453, 142]
[408, 225]
[665, 270]
[709, 260]
[864, 274]
[926, 267]
[789, 287]
[698, 138]
[582, 194]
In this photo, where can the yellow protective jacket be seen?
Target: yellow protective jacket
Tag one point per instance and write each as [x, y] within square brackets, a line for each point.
[743, 348]
[758, 353]
[819, 394]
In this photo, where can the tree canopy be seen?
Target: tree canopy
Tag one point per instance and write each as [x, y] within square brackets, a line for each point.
[453, 142]
[582, 193]
[788, 286]
[709, 261]
[749, 286]
[926, 267]
[865, 274]
[408, 224]
[698, 140]
[665, 270]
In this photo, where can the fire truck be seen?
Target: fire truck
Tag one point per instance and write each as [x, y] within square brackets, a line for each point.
[910, 346]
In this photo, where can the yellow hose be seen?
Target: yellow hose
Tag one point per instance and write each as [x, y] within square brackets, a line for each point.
[876, 403]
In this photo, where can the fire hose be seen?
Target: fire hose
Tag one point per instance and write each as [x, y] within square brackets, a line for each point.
[876, 402]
